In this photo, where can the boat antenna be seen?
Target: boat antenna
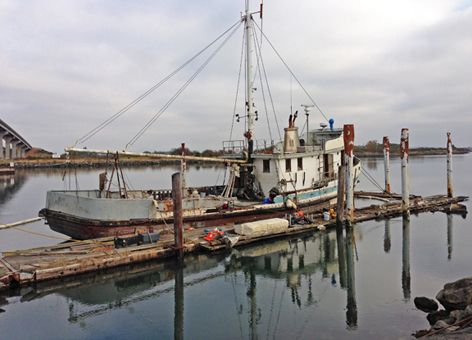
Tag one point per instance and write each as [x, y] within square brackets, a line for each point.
[307, 108]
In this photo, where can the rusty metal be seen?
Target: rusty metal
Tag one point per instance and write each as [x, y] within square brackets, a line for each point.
[450, 191]
[386, 151]
[404, 155]
[178, 217]
[348, 135]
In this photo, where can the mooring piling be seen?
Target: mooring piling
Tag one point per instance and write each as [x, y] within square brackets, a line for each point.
[450, 191]
[349, 155]
[404, 155]
[386, 151]
[340, 198]
[178, 217]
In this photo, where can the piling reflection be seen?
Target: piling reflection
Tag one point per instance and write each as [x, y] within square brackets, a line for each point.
[341, 246]
[387, 237]
[406, 279]
[179, 300]
[351, 312]
[449, 236]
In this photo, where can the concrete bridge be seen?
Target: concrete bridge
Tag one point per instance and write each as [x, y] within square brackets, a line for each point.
[12, 144]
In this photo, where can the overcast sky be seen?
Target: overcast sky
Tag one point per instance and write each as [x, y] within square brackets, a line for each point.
[379, 64]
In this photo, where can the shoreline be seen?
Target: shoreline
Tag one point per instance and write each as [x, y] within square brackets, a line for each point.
[88, 162]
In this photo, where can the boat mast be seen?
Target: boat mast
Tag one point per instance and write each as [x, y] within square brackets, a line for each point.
[249, 81]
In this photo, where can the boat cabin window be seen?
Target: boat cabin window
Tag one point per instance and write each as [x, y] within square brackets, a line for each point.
[288, 165]
[266, 165]
[300, 163]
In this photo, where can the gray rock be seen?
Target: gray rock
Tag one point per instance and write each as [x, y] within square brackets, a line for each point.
[451, 329]
[440, 324]
[456, 295]
[434, 317]
[468, 311]
[457, 314]
[425, 304]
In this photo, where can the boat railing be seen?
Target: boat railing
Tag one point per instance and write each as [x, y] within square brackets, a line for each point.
[234, 148]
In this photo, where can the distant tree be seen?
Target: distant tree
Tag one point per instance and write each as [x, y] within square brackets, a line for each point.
[373, 146]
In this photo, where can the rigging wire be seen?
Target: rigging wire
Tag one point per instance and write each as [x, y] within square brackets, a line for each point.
[258, 58]
[237, 86]
[118, 114]
[181, 89]
[291, 72]
[259, 47]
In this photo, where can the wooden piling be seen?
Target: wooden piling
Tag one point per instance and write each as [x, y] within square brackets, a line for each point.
[386, 151]
[349, 156]
[341, 192]
[450, 191]
[178, 217]
[404, 155]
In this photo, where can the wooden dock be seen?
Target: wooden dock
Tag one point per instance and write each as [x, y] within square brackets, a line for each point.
[29, 266]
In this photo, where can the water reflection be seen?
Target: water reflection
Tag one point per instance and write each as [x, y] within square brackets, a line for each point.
[406, 279]
[10, 185]
[179, 301]
[346, 263]
[371, 163]
[449, 236]
[387, 237]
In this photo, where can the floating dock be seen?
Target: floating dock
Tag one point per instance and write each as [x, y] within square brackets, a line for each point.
[23, 267]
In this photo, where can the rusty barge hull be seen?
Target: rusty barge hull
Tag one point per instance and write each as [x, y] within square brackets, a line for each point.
[83, 228]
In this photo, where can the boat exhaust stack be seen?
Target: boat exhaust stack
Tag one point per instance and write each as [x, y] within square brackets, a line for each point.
[291, 139]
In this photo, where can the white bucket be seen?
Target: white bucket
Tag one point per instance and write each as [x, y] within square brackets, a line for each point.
[326, 215]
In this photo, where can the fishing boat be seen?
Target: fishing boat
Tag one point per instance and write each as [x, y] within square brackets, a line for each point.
[264, 180]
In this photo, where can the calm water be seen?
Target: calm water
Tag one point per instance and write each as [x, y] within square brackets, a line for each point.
[324, 285]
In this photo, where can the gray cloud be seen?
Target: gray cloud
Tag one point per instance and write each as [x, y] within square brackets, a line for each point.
[67, 65]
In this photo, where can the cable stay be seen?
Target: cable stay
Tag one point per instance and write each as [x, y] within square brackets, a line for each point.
[126, 108]
[237, 86]
[181, 89]
[290, 71]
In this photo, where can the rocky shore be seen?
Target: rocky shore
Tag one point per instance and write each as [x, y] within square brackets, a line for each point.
[454, 320]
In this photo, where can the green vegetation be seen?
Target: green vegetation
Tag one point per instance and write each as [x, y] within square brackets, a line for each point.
[374, 148]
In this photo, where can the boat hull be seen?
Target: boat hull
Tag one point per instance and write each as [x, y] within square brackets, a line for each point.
[83, 228]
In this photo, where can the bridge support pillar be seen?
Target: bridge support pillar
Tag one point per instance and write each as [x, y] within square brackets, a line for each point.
[8, 140]
[22, 152]
[2, 148]
[14, 149]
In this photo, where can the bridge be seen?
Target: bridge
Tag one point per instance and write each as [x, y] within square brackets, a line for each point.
[12, 144]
